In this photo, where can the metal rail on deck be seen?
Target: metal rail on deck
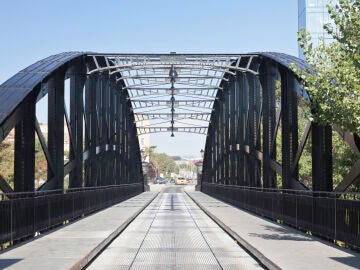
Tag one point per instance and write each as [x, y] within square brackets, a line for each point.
[26, 214]
[333, 216]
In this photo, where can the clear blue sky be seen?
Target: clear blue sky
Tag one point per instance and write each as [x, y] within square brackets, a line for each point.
[33, 29]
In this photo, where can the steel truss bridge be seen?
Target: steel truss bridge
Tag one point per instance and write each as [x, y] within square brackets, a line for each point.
[247, 105]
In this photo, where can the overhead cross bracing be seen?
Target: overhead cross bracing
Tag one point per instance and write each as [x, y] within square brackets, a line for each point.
[175, 92]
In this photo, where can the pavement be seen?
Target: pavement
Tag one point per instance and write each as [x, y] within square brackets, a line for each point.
[277, 246]
[173, 233]
[168, 228]
[73, 245]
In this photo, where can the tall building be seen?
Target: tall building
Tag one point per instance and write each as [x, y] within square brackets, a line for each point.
[144, 140]
[312, 15]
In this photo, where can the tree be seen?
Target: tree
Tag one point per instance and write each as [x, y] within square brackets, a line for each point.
[151, 171]
[148, 151]
[333, 82]
[162, 163]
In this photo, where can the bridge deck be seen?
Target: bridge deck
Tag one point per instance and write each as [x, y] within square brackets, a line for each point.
[174, 233]
[279, 245]
[73, 244]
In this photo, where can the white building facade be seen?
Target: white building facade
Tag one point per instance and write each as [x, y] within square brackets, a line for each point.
[144, 139]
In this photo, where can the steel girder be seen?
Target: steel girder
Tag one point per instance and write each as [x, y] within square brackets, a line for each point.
[249, 114]
[146, 130]
[103, 149]
[234, 93]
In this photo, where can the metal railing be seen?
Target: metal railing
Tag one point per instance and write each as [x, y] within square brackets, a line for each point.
[334, 216]
[23, 215]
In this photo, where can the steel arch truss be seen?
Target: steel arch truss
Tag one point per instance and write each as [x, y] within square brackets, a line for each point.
[104, 148]
[243, 147]
[111, 93]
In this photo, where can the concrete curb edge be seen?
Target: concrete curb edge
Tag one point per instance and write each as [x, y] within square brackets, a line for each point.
[84, 262]
[241, 241]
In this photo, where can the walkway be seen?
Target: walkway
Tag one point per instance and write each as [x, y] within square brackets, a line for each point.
[277, 246]
[71, 246]
[173, 233]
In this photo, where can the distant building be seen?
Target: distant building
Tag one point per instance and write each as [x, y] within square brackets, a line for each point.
[44, 131]
[144, 139]
[312, 15]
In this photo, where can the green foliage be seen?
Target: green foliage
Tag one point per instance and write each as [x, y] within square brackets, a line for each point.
[40, 161]
[148, 151]
[305, 162]
[343, 158]
[334, 82]
[7, 162]
[346, 17]
[162, 163]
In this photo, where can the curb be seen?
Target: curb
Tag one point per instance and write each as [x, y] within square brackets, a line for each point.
[88, 258]
[241, 241]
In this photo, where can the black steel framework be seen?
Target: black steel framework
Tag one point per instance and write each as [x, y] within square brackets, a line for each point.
[27, 213]
[331, 215]
[242, 162]
[171, 88]
[240, 101]
[104, 149]
[246, 119]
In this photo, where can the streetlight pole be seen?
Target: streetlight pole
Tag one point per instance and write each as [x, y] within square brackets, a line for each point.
[199, 166]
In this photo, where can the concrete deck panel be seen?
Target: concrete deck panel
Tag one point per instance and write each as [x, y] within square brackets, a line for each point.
[276, 245]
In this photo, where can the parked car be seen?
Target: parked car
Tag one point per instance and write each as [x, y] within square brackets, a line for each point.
[180, 181]
[162, 181]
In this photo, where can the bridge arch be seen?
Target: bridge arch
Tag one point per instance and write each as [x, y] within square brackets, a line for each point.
[110, 93]
[104, 149]
[245, 99]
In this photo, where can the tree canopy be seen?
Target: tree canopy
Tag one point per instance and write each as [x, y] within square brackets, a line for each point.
[160, 162]
[333, 83]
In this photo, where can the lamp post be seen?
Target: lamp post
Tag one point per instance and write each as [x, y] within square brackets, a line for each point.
[145, 169]
[199, 167]
[142, 154]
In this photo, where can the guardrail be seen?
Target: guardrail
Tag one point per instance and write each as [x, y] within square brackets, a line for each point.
[23, 215]
[334, 216]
